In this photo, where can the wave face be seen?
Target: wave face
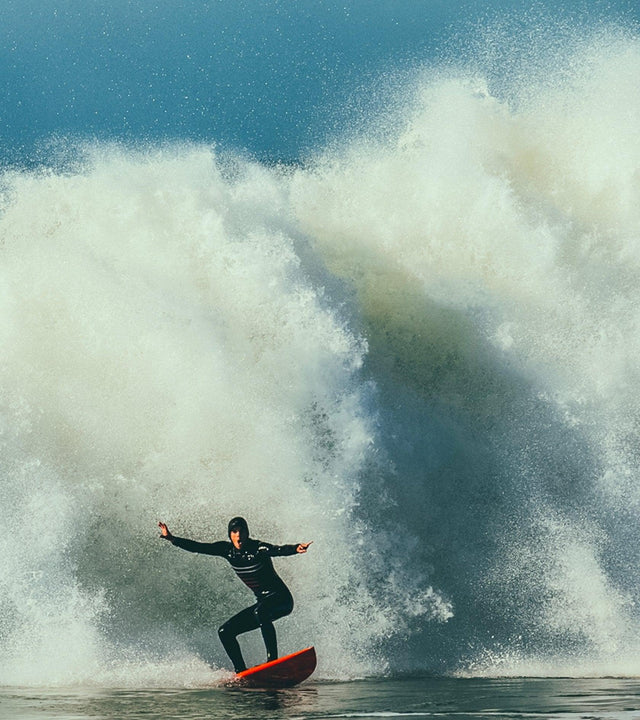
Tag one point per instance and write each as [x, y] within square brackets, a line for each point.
[419, 350]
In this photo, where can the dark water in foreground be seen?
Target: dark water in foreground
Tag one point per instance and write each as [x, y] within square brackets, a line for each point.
[412, 697]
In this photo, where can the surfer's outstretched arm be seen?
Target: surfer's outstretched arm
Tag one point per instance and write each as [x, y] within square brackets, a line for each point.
[216, 548]
[282, 550]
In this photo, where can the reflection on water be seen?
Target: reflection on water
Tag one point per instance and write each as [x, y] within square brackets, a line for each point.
[613, 699]
[186, 704]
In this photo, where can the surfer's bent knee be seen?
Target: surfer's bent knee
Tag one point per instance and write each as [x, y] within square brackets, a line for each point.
[223, 630]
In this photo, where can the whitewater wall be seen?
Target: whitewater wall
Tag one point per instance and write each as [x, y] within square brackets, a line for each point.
[417, 350]
[491, 240]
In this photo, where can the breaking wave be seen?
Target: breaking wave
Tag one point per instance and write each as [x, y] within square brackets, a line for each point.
[418, 349]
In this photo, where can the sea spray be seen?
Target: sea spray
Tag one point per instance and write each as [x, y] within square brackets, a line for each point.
[491, 241]
[165, 355]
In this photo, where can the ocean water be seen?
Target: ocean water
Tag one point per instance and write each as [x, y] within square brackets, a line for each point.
[364, 273]
[418, 698]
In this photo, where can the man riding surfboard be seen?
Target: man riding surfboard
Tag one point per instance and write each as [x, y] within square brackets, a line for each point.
[251, 561]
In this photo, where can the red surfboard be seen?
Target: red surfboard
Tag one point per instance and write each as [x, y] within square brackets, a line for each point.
[283, 672]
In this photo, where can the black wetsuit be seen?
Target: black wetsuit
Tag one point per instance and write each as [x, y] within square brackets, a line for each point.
[252, 564]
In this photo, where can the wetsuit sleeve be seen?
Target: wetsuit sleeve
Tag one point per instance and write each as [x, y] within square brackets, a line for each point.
[277, 550]
[216, 548]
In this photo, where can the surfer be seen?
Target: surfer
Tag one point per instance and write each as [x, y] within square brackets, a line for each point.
[251, 560]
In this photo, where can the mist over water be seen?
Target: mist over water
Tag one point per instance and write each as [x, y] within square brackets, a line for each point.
[417, 349]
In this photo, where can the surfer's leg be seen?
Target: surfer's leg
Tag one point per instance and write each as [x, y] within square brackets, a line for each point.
[266, 611]
[241, 623]
[269, 637]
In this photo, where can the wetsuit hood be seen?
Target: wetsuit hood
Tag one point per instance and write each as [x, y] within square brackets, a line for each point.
[238, 523]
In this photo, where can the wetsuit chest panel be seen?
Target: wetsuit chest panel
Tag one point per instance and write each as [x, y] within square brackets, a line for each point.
[253, 566]
[252, 563]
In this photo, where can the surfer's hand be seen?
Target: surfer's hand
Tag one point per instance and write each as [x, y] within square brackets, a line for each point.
[164, 531]
[302, 548]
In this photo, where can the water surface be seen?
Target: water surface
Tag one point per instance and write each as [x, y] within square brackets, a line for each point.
[614, 699]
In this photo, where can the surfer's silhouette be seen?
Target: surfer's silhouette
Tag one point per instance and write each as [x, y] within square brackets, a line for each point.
[251, 560]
